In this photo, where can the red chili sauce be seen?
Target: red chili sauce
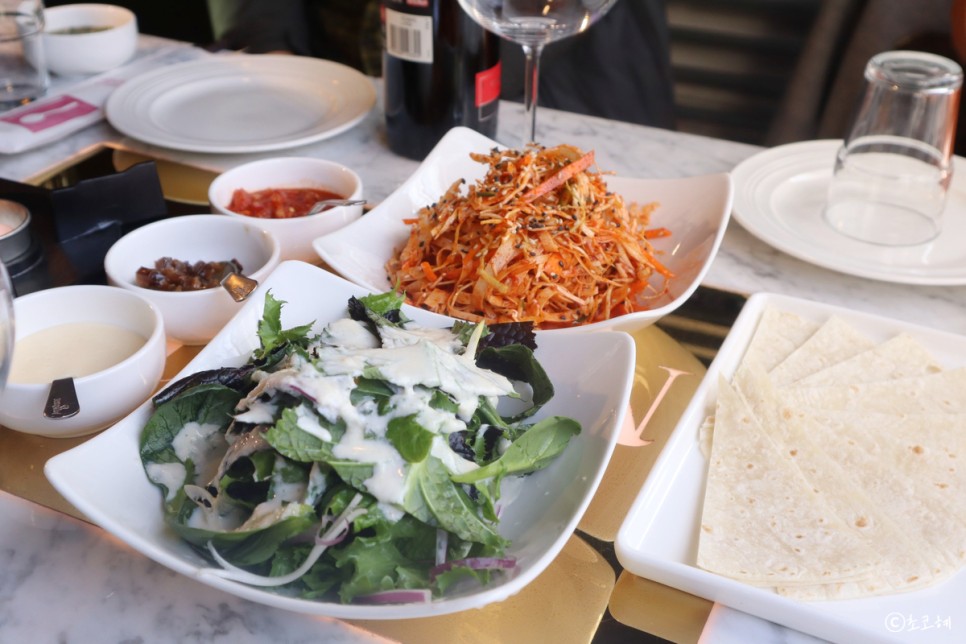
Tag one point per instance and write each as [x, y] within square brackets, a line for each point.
[278, 203]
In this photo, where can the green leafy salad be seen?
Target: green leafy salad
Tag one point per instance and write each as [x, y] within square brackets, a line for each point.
[362, 464]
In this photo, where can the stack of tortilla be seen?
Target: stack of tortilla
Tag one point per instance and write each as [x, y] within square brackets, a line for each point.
[837, 465]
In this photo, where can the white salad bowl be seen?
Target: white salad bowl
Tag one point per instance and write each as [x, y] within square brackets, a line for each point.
[592, 374]
[694, 209]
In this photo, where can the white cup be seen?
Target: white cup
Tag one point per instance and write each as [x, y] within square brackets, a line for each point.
[893, 171]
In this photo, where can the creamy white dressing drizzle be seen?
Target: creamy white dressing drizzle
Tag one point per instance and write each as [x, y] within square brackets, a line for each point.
[309, 423]
[197, 442]
[348, 333]
[260, 412]
[170, 475]
[414, 361]
[287, 491]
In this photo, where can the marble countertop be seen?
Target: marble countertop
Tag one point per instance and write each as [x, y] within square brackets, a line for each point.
[60, 578]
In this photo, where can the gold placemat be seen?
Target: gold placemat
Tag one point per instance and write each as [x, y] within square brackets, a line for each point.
[567, 601]
[665, 378]
[564, 604]
[22, 456]
[658, 609]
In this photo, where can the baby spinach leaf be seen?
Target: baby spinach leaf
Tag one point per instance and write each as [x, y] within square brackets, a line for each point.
[410, 439]
[297, 444]
[433, 498]
[517, 362]
[204, 404]
[533, 451]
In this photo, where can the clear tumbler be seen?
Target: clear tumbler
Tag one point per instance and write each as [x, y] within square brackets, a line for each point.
[893, 171]
[23, 67]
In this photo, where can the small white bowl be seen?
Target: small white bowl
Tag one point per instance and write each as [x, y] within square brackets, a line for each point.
[296, 234]
[70, 53]
[105, 396]
[192, 317]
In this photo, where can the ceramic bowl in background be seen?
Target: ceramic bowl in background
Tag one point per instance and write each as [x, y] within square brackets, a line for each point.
[88, 38]
[78, 323]
[295, 234]
[192, 317]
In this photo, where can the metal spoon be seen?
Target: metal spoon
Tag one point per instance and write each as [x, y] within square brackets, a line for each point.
[61, 400]
[238, 286]
[325, 204]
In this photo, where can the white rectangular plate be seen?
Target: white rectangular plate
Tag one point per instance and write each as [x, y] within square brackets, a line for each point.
[658, 539]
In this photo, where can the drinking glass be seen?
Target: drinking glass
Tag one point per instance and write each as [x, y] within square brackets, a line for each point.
[892, 173]
[6, 324]
[23, 69]
[532, 24]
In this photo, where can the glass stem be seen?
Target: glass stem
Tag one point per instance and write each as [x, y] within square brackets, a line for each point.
[531, 83]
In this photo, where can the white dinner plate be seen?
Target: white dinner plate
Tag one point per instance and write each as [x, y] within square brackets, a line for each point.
[694, 209]
[658, 538]
[779, 197]
[592, 376]
[240, 103]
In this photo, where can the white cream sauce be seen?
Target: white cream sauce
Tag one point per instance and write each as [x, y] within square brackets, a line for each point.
[170, 475]
[71, 350]
[415, 361]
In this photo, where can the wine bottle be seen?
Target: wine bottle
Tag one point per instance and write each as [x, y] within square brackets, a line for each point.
[440, 70]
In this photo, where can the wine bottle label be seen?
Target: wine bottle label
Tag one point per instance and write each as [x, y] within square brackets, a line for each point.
[488, 85]
[409, 37]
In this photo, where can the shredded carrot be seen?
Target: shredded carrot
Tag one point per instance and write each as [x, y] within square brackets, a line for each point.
[538, 239]
[566, 173]
[428, 271]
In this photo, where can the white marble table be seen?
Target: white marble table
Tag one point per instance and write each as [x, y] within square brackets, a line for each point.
[60, 579]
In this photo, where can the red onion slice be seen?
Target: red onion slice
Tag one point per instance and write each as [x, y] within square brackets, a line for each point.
[335, 532]
[476, 563]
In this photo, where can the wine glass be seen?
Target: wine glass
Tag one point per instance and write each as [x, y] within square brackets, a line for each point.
[6, 324]
[532, 24]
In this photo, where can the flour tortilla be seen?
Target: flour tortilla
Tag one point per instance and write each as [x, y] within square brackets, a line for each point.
[908, 561]
[939, 392]
[833, 342]
[878, 434]
[899, 357]
[777, 335]
[929, 517]
[762, 522]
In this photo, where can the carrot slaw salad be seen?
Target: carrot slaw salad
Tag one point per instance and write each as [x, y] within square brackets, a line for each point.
[538, 239]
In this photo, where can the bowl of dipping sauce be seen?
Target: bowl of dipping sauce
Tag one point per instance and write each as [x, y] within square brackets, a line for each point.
[178, 264]
[109, 341]
[276, 193]
[84, 39]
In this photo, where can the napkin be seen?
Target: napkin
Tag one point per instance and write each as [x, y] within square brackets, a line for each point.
[78, 105]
